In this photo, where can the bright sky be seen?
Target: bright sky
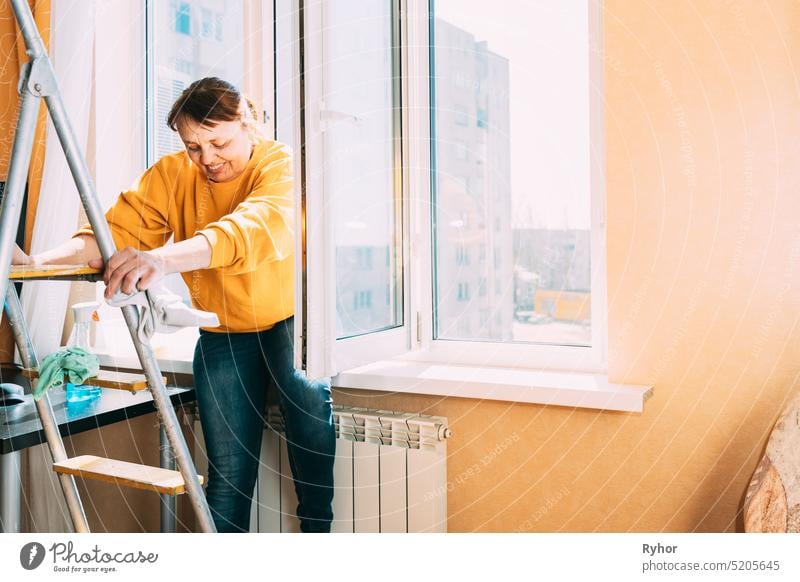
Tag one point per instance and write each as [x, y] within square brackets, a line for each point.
[547, 46]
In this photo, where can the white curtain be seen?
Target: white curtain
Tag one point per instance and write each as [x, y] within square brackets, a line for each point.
[57, 215]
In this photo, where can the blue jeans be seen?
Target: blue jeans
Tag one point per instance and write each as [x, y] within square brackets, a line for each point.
[231, 375]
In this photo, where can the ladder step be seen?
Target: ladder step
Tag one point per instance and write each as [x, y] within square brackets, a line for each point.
[124, 473]
[108, 379]
[54, 272]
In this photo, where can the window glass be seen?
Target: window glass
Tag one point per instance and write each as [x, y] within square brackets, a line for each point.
[185, 49]
[184, 53]
[511, 177]
[361, 142]
[183, 18]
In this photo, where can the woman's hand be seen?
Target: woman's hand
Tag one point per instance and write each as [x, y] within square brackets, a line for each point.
[130, 270]
[19, 257]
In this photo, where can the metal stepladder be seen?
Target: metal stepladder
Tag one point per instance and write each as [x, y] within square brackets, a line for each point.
[37, 81]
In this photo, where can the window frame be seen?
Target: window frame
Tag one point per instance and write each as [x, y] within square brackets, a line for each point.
[507, 354]
[322, 354]
[413, 341]
[350, 352]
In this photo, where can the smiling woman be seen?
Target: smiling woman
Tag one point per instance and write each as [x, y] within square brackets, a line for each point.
[227, 202]
[217, 146]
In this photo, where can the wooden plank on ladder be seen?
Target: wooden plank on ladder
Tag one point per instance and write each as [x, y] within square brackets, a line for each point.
[124, 473]
[269, 483]
[54, 272]
[108, 379]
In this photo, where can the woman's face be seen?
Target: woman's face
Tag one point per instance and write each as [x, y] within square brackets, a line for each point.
[221, 152]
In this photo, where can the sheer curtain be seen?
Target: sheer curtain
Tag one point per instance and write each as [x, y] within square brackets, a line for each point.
[57, 216]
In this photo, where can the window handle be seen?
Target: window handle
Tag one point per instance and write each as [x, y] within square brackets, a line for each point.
[330, 116]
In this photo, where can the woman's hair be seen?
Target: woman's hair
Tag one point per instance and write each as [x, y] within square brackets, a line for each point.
[211, 100]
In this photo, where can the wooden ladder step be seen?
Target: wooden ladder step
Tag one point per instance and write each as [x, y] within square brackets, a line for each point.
[108, 379]
[124, 473]
[54, 272]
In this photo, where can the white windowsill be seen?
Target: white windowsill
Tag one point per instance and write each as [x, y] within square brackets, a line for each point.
[515, 385]
[166, 365]
[173, 351]
[573, 389]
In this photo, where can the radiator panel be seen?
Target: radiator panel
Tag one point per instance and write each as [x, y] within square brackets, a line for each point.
[390, 474]
[343, 487]
[427, 493]
[366, 492]
[393, 489]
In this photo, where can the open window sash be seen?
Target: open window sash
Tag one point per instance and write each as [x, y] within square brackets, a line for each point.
[351, 301]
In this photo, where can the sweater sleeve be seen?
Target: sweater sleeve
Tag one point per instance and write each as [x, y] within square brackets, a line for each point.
[139, 217]
[260, 229]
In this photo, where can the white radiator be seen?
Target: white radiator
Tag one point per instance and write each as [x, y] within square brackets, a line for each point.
[390, 473]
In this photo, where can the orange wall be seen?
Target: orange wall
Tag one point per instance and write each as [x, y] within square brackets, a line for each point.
[703, 169]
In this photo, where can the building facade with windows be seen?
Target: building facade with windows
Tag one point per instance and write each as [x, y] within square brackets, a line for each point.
[195, 39]
[473, 248]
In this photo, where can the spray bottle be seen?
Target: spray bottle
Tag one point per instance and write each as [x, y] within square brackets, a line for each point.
[83, 314]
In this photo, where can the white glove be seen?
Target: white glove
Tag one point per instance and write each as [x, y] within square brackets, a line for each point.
[163, 311]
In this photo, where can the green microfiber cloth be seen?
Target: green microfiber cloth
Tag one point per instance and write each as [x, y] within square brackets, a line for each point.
[75, 362]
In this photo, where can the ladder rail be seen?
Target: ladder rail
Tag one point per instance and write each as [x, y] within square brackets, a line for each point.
[11, 207]
[45, 409]
[9, 220]
[169, 422]
[27, 25]
[41, 81]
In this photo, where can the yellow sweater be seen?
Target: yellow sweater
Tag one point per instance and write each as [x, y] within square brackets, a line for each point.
[248, 223]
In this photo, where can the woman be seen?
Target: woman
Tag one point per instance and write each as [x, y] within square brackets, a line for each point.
[227, 200]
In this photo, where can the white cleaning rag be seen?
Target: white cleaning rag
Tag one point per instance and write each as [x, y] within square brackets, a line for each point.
[163, 311]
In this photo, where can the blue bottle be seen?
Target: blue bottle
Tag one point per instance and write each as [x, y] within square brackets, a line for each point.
[83, 314]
